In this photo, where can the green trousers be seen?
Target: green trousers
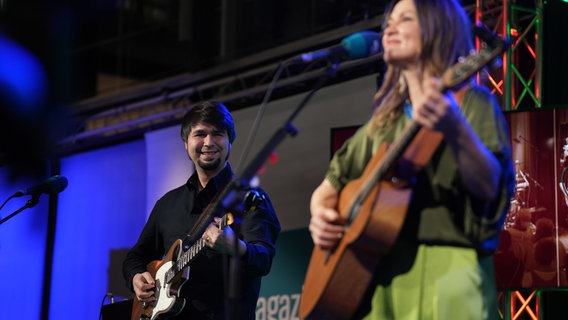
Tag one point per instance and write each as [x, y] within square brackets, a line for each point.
[427, 282]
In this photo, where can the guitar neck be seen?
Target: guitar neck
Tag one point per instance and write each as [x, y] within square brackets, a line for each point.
[185, 259]
[388, 161]
[190, 254]
[397, 149]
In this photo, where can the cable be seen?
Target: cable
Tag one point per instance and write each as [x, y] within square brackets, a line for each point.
[107, 295]
[260, 113]
[3, 204]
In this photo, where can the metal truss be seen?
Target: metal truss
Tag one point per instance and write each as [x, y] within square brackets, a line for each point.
[517, 83]
[520, 305]
[238, 90]
[239, 84]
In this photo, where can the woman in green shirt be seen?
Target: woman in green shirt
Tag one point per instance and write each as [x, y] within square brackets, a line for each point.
[440, 266]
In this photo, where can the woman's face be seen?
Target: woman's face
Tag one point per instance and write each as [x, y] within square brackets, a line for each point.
[401, 36]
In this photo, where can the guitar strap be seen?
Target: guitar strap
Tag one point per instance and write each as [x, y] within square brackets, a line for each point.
[250, 201]
[460, 94]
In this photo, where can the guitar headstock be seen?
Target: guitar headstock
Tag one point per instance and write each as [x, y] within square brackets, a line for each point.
[225, 221]
[492, 47]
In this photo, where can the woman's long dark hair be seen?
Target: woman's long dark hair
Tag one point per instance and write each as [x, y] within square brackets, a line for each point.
[446, 35]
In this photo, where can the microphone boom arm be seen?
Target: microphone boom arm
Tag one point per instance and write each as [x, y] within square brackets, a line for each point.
[287, 128]
[29, 204]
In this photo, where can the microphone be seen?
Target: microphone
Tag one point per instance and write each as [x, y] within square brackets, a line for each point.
[358, 45]
[52, 185]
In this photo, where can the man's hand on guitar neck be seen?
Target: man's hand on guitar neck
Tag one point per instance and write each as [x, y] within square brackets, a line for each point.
[144, 285]
[222, 240]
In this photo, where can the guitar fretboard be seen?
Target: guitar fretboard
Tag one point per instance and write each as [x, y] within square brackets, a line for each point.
[185, 259]
[190, 254]
[389, 160]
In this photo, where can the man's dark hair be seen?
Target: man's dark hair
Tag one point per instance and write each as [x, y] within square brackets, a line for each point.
[211, 112]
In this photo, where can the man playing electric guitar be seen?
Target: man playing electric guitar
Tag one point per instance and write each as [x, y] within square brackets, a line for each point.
[197, 280]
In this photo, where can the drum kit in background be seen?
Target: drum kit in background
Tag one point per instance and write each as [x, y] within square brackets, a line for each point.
[521, 198]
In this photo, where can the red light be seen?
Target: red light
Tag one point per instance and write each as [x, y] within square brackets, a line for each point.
[514, 32]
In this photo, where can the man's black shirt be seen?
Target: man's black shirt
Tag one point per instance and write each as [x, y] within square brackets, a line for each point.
[174, 215]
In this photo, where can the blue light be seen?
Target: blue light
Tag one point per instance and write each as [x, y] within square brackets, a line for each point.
[22, 77]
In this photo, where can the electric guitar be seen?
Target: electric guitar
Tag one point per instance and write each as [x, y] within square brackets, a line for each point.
[169, 275]
[374, 206]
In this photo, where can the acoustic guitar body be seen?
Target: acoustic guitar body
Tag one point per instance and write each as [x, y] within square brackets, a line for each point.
[337, 280]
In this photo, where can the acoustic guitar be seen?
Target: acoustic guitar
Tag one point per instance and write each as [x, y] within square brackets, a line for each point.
[374, 206]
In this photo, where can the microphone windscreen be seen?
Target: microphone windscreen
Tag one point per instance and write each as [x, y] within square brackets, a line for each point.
[362, 44]
[55, 184]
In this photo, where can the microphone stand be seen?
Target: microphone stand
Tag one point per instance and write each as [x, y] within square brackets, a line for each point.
[29, 204]
[231, 195]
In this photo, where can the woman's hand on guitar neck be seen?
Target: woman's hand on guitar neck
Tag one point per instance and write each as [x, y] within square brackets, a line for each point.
[434, 109]
[324, 225]
[479, 168]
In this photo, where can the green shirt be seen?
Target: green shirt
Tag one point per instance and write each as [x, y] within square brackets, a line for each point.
[441, 210]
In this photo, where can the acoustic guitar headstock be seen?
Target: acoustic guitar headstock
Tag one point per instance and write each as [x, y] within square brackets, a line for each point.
[492, 47]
